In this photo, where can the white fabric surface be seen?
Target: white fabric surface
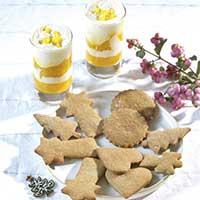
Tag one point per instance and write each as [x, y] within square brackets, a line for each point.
[19, 133]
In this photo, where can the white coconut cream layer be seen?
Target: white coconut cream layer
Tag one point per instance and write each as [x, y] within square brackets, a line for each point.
[116, 46]
[48, 55]
[48, 58]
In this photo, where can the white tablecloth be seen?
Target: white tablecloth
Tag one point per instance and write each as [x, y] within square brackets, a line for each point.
[19, 133]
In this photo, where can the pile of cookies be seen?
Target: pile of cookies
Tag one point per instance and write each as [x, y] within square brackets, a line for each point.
[125, 168]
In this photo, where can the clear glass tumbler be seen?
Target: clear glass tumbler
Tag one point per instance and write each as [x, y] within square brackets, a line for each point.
[104, 37]
[52, 59]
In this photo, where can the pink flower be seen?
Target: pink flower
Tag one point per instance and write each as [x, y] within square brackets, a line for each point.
[133, 42]
[197, 83]
[184, 88]
[157, 75]
[145, 65]
[197, 90]
[189, 94]
[174, 90]
[177, 50]
[159, 97]
[177, 103]
[187, 62]
[196, 97]
[156, 39]
[172, 72]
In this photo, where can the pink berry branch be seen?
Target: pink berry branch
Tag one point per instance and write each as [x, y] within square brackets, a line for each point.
[185, 82]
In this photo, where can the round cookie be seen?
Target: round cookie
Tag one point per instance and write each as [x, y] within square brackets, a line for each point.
[136, 100]
[125, 127]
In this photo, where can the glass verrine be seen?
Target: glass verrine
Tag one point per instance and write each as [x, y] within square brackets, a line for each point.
[52, 59]
[104, 37]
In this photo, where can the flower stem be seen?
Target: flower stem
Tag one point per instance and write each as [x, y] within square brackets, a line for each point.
[159, 57]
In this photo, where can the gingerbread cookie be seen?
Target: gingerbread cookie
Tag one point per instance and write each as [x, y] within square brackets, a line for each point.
[131, 182]
[80, 106]
[125, 127]
[164, 164]
[160, 140]
[54, 151]
[84, 185]
[62, 128]
[136, 100]
[119, 159]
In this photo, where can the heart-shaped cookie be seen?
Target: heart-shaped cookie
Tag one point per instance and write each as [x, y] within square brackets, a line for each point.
[129, 183]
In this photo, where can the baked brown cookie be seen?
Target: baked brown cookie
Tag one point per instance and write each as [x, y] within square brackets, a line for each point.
[88, 120]
[80, 106]
[119, 159]
[54, 150]
[73, 103]
[131, 182]
[160, 140]
[125, 127]
[162, 164]
[136, 100]
[84, 185]
[62, 128]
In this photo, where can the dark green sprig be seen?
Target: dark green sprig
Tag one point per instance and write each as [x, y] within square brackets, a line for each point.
[40, 187]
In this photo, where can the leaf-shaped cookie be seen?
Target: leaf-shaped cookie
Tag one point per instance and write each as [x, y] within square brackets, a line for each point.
[84, 185]
[119, 159]
[54, 150]
[162, 164]
[62, 128]
[131, 182]
[160, 140]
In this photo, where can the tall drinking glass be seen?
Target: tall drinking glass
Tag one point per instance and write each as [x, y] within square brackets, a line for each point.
[52, 59]
[104, 37]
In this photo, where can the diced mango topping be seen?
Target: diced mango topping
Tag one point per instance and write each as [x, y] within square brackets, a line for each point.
[56, 34]
[104, 14]
[57, 41]
[47, 29]
[53, 37]
[46, 40]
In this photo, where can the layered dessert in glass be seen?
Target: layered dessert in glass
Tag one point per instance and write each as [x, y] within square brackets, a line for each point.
[104, 37]
[52, 59]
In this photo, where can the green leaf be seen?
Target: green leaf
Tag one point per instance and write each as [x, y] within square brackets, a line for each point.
[180, 63]
[169, 99]
[198, 68]
[140, 53]
[159, 47]
[194, 57]
[162, 68]
[190, 74]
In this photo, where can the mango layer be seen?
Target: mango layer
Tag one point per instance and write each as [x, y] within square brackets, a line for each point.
[102, 61]
[54, 71]
[105, 45]
[55, 88]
